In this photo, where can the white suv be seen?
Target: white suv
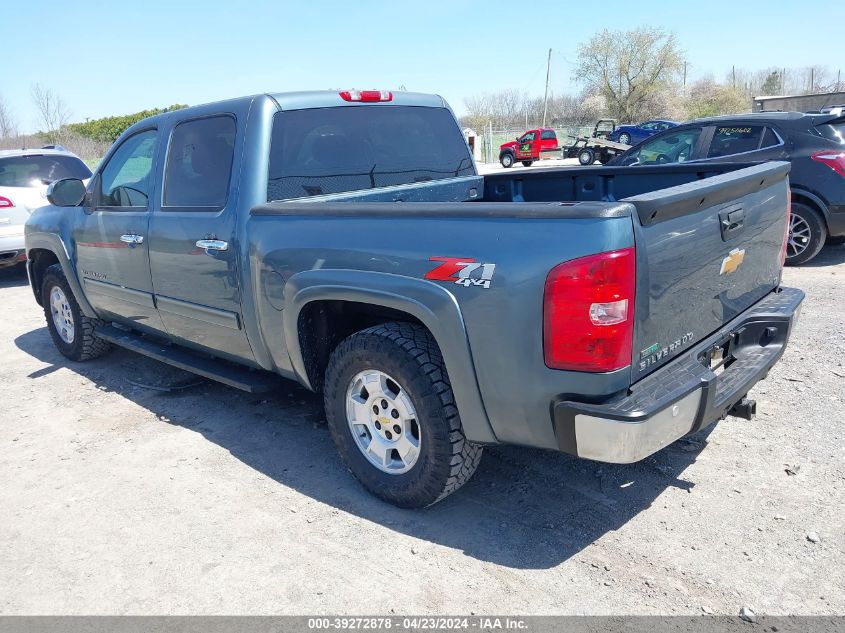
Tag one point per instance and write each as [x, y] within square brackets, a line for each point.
[24, 177]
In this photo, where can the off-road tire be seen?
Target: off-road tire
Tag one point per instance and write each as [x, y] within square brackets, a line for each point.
[408, 353]
[85, 345]
[818, 234]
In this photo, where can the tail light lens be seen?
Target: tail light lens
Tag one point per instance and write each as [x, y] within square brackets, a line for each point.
[5, 202]
[786, 229]
[834, 160]
[588, 312]
[366, 96]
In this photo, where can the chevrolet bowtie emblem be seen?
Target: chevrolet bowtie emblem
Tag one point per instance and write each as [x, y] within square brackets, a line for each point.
[732, 261]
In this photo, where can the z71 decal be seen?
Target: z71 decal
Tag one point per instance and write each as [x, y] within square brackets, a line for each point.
[464, 271]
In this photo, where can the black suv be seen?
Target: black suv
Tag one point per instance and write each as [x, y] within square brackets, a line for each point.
[814, 143]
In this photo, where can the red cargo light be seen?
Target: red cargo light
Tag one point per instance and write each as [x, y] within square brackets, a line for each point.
[366, 96]
[834, 160]
[5, 202]
[588, 312]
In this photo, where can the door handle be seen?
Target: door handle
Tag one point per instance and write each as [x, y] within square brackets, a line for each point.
[213, 245]
[131, 238]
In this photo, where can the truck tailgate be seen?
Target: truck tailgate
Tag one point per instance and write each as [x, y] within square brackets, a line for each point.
[706, 251]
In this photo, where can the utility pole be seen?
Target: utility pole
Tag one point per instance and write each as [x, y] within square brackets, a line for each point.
[812, 79]
[733, 74]
[685, 78]
[546, 98]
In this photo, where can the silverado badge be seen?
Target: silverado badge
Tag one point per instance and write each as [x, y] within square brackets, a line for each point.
[732, 261]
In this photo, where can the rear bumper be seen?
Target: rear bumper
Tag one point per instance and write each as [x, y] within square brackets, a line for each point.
[685, 395]
[12, 248]
[836, 220]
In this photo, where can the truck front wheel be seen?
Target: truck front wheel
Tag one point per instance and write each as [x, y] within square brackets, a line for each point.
[72, 332]
[392, 416]
[506, 159]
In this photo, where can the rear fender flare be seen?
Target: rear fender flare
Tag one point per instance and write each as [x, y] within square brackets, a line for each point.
[432, 305]
[818, 202]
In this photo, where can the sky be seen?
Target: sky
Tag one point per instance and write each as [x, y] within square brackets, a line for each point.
[117, 57]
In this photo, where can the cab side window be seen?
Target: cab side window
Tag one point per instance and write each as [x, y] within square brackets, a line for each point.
[527, 138]
[735, 139]
[548, 135]
[126, 179]
[199, 163]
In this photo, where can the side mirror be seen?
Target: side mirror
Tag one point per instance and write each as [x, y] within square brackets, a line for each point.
[67, 192]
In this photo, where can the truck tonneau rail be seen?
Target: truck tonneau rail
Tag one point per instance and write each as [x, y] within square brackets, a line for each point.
[528, 210]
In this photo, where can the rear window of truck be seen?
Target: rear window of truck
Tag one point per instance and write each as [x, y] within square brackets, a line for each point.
[333, 150]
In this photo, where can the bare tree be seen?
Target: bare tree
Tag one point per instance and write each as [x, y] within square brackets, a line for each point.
[8, 127]
[53, 115]
[629, 67]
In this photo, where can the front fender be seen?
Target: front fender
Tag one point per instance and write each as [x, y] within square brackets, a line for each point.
[432, 305]
[53, 243]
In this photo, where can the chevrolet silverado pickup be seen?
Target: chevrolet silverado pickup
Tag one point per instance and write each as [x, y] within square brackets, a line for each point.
[603, 312]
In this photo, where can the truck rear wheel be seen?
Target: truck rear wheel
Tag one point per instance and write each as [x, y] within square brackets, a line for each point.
[586, 156]
[807, 234]
[392, 415]
[527, 163]
[72, 332]
[506, 159]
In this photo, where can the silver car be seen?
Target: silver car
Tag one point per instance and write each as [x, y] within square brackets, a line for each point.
[24, 177]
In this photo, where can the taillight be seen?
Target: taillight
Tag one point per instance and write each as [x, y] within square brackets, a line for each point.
[367, 96]
[5, 202]
[588, 312]
[834, 160]
[786, 229]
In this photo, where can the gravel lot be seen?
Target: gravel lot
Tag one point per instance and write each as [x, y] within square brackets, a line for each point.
[120, 499]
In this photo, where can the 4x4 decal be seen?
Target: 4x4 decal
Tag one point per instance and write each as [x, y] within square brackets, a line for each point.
[464, 271]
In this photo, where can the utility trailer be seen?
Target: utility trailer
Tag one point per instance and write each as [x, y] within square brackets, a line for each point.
[596, 147]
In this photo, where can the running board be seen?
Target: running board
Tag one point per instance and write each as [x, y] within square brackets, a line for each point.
[237, 376]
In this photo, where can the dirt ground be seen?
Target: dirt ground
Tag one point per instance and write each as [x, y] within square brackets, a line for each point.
[120, 499]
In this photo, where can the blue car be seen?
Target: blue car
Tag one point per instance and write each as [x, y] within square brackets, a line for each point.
[633, 134]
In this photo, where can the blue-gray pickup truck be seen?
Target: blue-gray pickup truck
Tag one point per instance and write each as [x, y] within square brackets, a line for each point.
[344, 240]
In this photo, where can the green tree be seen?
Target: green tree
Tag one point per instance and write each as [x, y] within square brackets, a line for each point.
[708, 98]
[109, 128]
[628, 68]
[772, 84]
